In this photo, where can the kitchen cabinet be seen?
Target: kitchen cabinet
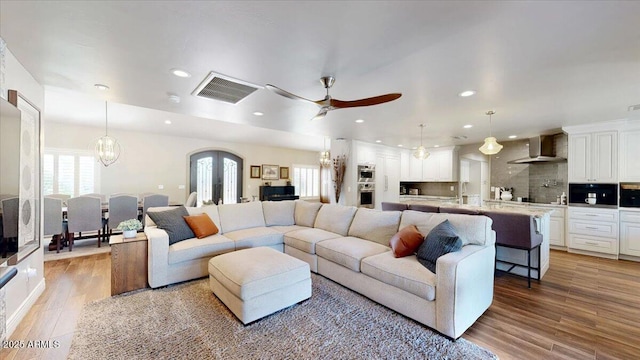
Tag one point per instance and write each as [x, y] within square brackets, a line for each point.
[556, 225]
[593, 157]
[464, 171]
[630, 155]
[593, 230]
[441, 166]
[387, 179]
[630, 233]
[365, 153]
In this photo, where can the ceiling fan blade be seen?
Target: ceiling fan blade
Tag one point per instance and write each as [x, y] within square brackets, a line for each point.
[365, 102]
[286, 94]
[321, 114]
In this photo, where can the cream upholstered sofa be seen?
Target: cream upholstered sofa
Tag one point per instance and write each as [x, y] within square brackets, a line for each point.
[350, 246]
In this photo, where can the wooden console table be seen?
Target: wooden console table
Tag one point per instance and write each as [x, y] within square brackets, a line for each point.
[128, 263]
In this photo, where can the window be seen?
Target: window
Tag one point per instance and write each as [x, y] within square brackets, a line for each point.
[306, 179]
[71, 172]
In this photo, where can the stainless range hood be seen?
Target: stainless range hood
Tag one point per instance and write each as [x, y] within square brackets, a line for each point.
[540, 151]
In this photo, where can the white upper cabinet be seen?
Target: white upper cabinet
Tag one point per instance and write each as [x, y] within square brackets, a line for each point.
[630, 155]
[441, 165]
[365, 153]
[593, 157]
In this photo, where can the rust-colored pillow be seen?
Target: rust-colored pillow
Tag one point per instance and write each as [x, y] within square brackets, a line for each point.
[201, 225]
[406, 241]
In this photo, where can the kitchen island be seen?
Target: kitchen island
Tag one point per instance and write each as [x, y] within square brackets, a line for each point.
[541, 214]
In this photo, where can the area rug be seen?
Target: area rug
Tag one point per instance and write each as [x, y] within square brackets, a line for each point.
[187, 321]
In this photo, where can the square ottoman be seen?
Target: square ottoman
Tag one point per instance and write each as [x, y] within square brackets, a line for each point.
[256, 282]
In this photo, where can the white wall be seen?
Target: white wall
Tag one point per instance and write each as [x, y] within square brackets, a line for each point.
[149, 160]
[22, 291]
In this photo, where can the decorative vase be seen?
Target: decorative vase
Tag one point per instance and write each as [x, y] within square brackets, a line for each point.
[506, 195]
[129, 234]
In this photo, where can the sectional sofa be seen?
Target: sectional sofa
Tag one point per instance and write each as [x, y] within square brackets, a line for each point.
[349, 246]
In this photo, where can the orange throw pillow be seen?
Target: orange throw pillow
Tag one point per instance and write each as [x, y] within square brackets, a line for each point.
[406, 242]
[201, 225]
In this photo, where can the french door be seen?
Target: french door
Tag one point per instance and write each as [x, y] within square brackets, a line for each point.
[216, 176]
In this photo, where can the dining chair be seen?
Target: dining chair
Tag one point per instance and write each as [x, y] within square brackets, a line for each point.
[192, 199]
[84, 213]
[63, 197]
[10, 206]
[153, 200]
[103, 198]
[54, 225]
[121, 208]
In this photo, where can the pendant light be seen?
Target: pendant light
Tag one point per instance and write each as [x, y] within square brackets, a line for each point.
[325, 157]
[421, 152]
[107, 148]
[490, 146]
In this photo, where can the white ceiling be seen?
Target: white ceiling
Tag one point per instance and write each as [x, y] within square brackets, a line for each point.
[539, 65]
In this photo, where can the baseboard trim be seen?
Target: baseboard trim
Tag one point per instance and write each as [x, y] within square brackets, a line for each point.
[16, 318]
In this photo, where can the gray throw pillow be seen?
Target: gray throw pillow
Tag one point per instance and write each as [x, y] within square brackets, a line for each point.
[441, 240]
[172, 221]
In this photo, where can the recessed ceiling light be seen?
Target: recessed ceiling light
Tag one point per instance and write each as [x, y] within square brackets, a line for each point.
[467, 93]
[359, 121]
[513, 136]
[399, 145]
[436, 145]
[378, 141]
[180, 73]
[258, 113]
[468, 126]
[168, 122]
[101, 87]
[413, 148]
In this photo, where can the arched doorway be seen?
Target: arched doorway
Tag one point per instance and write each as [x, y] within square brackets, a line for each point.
[216, 175]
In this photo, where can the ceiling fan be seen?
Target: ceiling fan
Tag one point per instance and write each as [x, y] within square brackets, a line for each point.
[328, 103]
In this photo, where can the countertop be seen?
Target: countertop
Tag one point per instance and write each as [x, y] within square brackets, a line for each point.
[538, 211]
[525, 204]
[428, 197]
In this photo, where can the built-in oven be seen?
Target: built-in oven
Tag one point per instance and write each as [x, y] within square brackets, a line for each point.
[366, 195]
[630, 195]
[593, 195]
[366, 173]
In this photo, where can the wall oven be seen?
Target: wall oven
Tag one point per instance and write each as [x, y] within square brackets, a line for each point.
[630, 195]
[366, 195]
[366, 173]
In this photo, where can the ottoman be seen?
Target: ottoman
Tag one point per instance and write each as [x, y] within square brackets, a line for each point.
[256, 282]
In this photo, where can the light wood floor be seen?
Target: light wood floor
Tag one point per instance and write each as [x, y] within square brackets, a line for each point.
[585, 308]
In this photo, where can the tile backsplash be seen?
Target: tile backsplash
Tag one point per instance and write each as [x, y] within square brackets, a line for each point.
[541, 182]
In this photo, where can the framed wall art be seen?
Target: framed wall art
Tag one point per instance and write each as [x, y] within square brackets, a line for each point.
[284, 172]
[255, 172]
[270, 172]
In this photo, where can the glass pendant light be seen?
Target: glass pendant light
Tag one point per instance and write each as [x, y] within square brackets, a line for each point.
[490, 146]
[325, 157]
[421, 152]
[107, 148]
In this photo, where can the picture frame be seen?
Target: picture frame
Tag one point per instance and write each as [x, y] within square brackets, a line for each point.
[284, 172]
[30, 145]
[255, 172]
[270, 172]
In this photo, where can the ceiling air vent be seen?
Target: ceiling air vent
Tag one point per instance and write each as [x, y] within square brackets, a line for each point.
[224, 88]
[634, 108]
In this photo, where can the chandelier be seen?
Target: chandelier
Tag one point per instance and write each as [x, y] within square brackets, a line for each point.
[107, 149]
[325, 156]
[490, 146]
[421, 152]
